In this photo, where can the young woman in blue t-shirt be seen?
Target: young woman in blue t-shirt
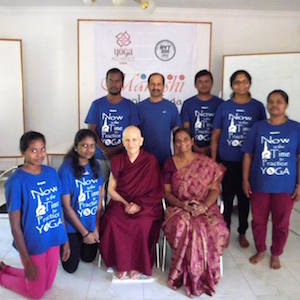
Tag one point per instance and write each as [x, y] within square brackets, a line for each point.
[33, 197]
[82, 191]
[271, 176]
[232, 121]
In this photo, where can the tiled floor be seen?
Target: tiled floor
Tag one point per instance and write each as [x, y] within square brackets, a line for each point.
[241, 280]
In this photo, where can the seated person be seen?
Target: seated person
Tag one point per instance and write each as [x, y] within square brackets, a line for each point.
[193, 225]
[131, 224]
[81, 180]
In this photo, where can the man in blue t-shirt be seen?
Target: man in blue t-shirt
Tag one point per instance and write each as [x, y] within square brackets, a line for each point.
[198, 112]
[109, 116]
[158, 118]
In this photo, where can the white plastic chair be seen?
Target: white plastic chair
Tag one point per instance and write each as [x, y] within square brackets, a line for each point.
[5, 174]
[3, 177]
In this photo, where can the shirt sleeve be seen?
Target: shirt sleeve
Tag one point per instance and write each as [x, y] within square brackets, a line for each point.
[249, 143]
[91, 117]
[217, 122]
[13, 194]
[175, 117]
[263, 115]
[65, 178]
[134, 115]
[184, 113]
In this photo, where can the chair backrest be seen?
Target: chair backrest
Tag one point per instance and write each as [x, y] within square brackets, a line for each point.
[5, 174]
[3, 177]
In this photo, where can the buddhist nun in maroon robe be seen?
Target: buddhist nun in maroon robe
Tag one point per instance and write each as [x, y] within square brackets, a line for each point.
[131, 224]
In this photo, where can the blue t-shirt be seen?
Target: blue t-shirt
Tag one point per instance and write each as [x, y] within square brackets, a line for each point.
[84, 193]
[38, 198]
[111, 119]
[157, 119]
[200, 115]
[274, 150]
[235, 120]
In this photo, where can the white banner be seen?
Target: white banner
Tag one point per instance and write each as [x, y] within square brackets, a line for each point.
[177, 50]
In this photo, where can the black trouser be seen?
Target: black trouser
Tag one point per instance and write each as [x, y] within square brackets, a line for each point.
[232, 185]
[87, 252]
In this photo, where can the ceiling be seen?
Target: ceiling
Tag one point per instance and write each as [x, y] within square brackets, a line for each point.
[281, 5]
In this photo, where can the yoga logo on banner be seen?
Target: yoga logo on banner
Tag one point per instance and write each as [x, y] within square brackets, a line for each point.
[122, 53]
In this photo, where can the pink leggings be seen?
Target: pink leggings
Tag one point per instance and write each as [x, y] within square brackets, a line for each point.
[280, 206]
[14, 279]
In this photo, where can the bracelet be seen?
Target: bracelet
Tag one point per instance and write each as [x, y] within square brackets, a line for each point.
[84, 236]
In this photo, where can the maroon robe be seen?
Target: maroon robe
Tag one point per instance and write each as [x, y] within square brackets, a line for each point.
[127, 242]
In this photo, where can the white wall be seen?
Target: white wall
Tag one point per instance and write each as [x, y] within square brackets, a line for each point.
[50, 52]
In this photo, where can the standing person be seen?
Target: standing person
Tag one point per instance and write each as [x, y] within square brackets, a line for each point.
[232, 121]
[271, 175]
[109, 116]
[33, 198]
[198, 112]
[158, 118]
[131, 224]
[194, 227]
[81, 179]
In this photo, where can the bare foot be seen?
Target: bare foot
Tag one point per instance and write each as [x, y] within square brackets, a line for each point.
[257, 257]
[134, 274]
[121, 275]
[275, 262]
[243, 241]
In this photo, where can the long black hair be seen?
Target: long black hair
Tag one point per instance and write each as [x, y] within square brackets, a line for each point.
[73, 154]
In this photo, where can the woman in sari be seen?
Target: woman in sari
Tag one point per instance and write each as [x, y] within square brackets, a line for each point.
[193, 225]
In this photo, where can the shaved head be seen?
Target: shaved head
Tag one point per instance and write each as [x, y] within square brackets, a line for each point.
[132, 130]
[132, 140]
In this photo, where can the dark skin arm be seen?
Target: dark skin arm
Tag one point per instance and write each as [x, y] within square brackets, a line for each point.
[73, 217]
[296, 194]
[214, 192]
[192, 206]
[98, 214]
[215, 143]
[247, 161]
[172, 200]
[109, 152]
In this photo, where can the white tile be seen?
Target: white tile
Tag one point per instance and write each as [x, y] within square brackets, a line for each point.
[294, 268]
[160, 284]
[101, 287]
[9, 295]
[233, 284]
[72, 286]
[265, 281]
[280, 297]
